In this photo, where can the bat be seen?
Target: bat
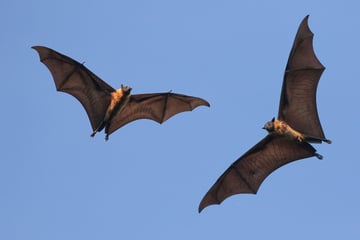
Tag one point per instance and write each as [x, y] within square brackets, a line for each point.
[289, 136]
[106, 107]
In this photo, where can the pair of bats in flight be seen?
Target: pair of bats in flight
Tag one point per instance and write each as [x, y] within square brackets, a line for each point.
[289, 136]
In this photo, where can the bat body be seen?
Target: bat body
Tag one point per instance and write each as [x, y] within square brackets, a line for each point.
[106, 107]
[289, 136]
[280, 128]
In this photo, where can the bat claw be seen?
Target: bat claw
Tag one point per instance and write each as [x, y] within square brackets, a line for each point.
[106, 137]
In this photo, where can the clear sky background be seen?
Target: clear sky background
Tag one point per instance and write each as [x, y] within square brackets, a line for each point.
[146, 182]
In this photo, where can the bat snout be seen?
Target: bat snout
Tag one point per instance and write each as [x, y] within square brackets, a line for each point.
[269, 126]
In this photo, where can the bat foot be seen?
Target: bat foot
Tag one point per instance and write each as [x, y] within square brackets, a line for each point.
[319, 156]
[107, 137]
[93, 134]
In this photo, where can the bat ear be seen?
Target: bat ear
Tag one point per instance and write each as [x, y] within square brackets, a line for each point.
[273, 119]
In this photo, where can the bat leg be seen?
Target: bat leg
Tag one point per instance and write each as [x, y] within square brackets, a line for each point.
[93, 133]
[99, 128]
[317, 140]
[107, 132]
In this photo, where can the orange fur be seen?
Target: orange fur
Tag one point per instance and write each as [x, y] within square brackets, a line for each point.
[282, 128]
[116, 99]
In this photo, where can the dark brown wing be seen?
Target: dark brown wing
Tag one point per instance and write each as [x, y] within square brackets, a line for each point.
[154, 106]
[74, 78]
[298, 95]
[247, 173]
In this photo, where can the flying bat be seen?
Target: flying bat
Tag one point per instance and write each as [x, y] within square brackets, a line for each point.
[106, 107]
[289, 135]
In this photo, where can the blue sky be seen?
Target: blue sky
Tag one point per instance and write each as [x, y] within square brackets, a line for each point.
[146, 182]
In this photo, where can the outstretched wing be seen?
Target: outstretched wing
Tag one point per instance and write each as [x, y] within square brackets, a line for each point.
[154, 106]
[74, 78]
[247, 173]
[298, 95]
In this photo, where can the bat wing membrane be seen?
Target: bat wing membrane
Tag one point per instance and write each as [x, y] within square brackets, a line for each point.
[75, 79]
[154, 106]
[298, 95]
[247, 173]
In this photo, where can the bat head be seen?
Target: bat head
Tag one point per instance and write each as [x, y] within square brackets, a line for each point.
[125, 89]
[269, 126]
